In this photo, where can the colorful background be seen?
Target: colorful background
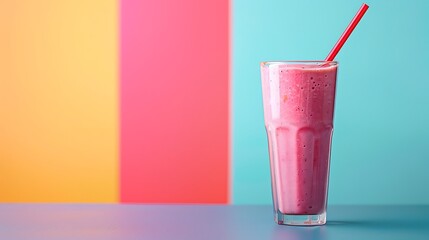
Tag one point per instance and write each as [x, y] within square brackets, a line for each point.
[160, 101]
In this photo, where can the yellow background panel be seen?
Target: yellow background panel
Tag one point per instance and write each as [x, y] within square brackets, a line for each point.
[58, 101]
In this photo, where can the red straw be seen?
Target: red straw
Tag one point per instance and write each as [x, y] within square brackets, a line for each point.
[347, 32]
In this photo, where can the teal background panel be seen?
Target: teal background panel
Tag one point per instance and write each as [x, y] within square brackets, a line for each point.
[380, 144]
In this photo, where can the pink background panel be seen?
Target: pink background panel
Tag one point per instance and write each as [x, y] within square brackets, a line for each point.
[174, 87]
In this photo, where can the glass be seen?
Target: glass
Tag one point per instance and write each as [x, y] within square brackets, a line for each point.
[298, 99]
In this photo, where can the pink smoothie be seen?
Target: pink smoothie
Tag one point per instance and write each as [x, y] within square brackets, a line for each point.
[298, 110]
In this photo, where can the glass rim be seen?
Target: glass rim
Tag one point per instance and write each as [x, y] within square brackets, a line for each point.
[293, 62]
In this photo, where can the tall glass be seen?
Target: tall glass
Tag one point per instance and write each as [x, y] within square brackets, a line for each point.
[299, 101]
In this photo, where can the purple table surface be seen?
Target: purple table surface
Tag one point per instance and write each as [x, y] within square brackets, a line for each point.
[159, 222]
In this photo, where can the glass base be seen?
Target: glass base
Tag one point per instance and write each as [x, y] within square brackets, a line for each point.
[300, 220]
